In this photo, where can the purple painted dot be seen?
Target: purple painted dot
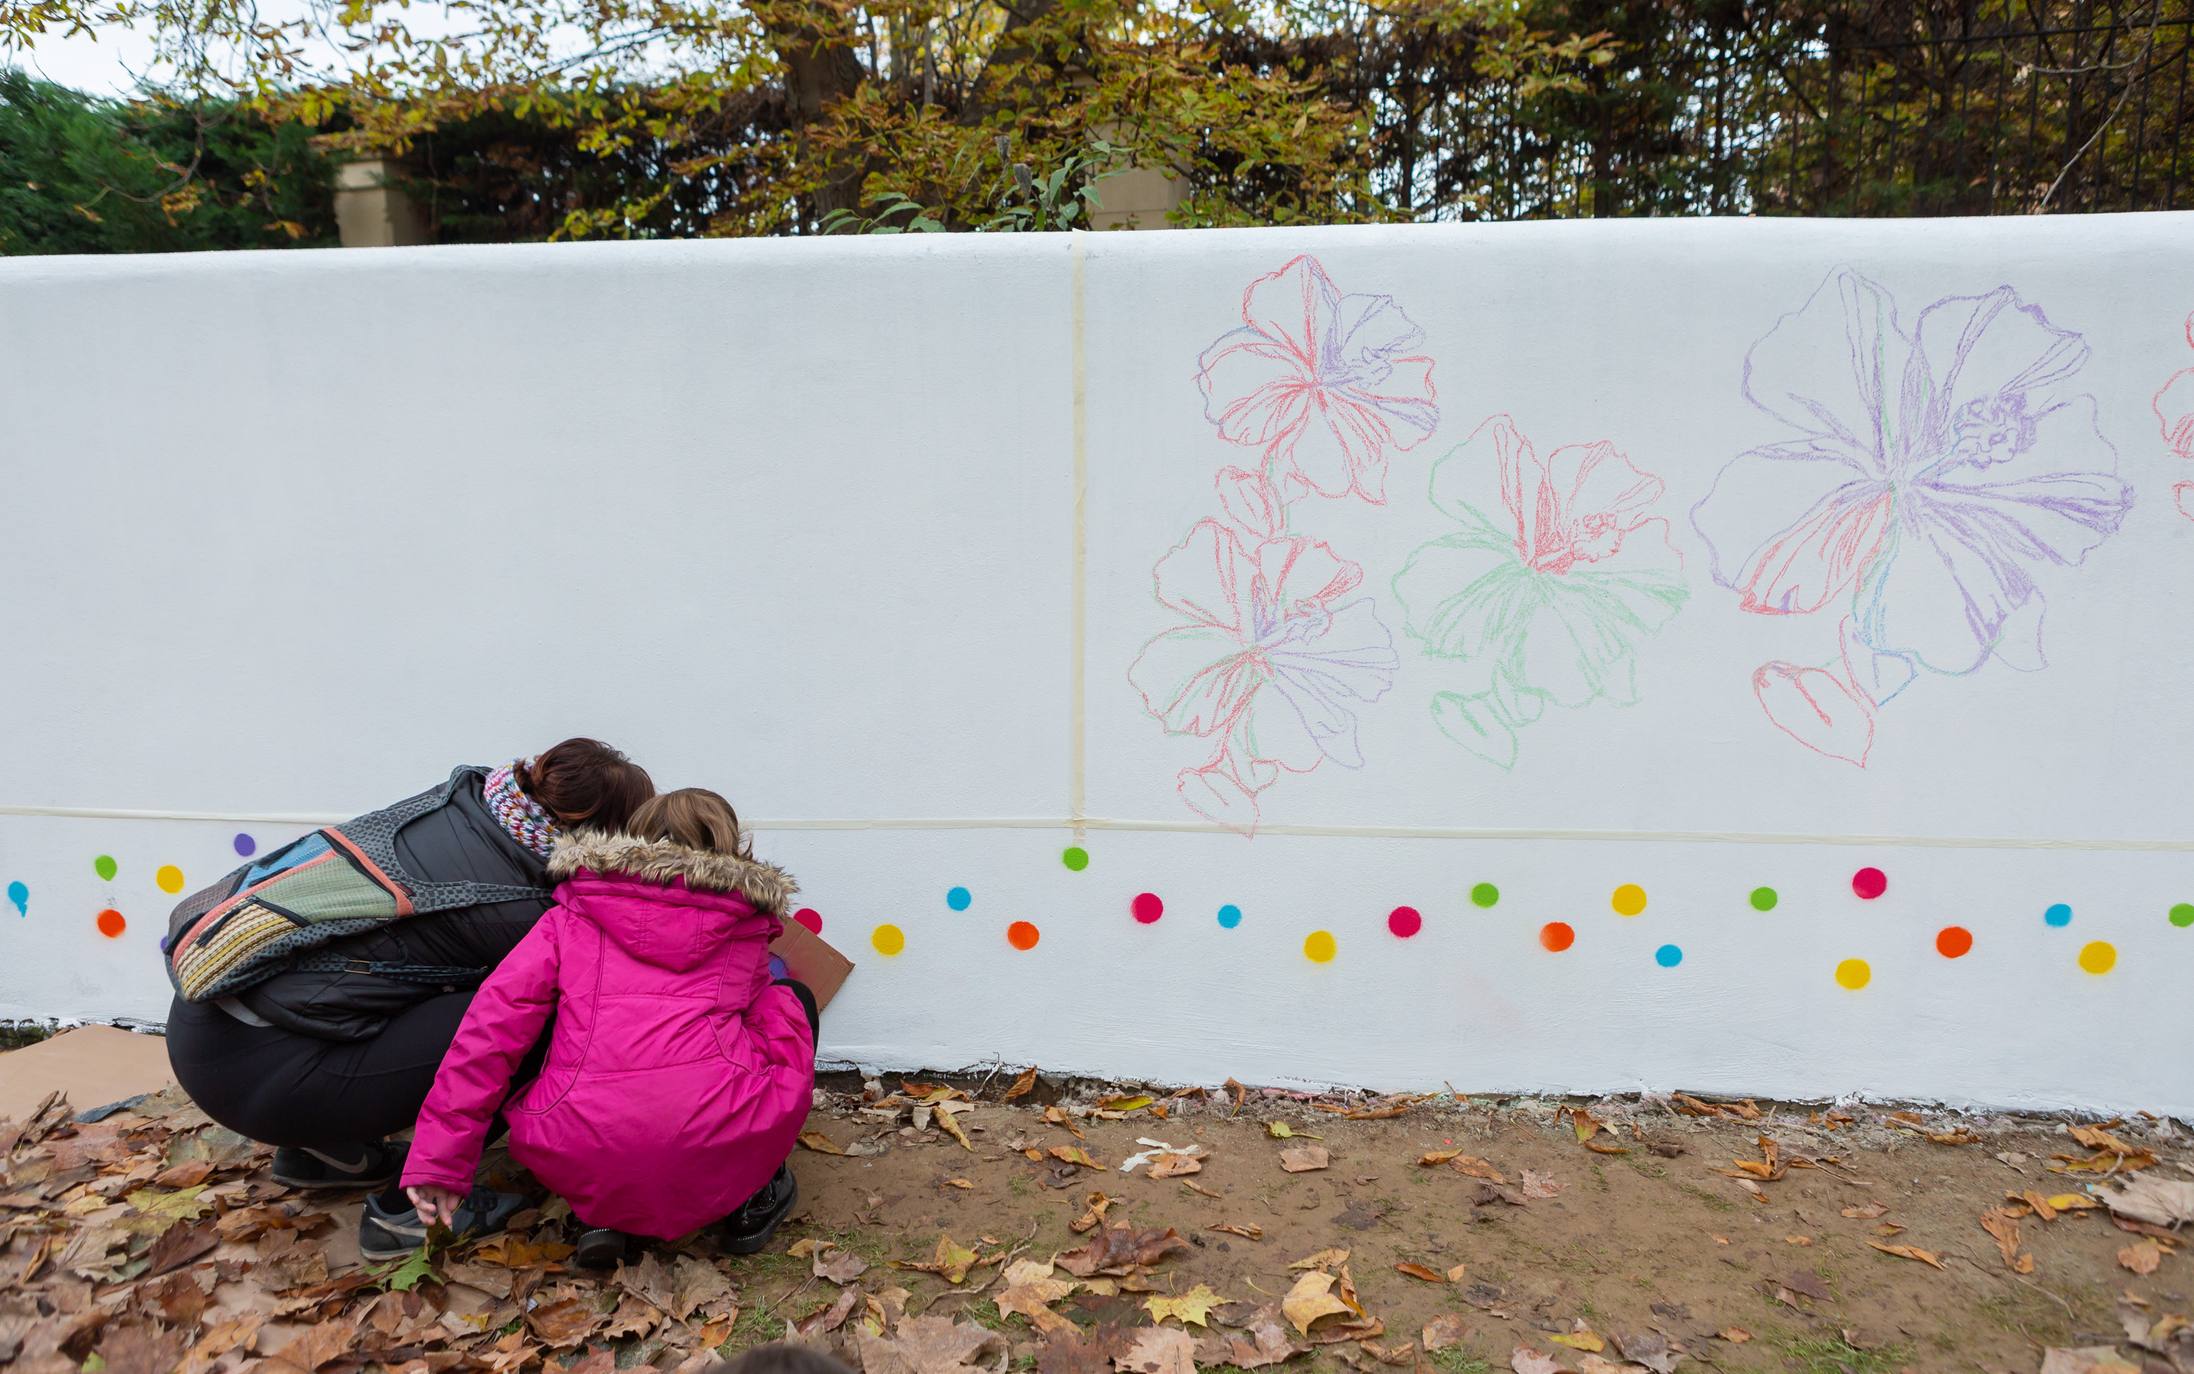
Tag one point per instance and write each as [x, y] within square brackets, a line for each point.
[1147, 907]
[246, 846]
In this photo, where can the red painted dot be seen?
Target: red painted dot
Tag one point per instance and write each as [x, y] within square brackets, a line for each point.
[111, 923]
[1869, 883]
[1953, 942]
[1404, 921]
[811, 918]
[1147, 907]
[1557, 936]
[1022, 935]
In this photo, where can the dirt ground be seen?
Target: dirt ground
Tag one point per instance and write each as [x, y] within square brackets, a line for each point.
[1620, 1235]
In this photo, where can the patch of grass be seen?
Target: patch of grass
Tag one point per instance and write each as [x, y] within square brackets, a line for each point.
[869, 1245]
[755, 1326]
[1020, 1186]
[1646, 1166]
[984, 1313]
[771, 1264]
[1456, 1360]
[1714, 1202]
[1814, 1355]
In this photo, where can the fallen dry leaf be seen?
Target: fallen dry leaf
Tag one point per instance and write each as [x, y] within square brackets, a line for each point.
[1263, 1341]
[1030, 1290]
[950, 1261]
[1312, 1299]
[2087, 1359]
[556, 1325]
[1867, 1212]
[1022, 1086]
[1251, 1232]
[1444, 1332]
[839, 1266]
[1173, 1166]
[1303, 1159]
[1735, 1335]
[1910, 1252]
[1075, 1154]
[2157, 1201]
[1405, 1353]
[931, 1345]
[1470, 1166]
[1055, 1116]
[1192, 1308]
[1158, 1350]
[1524, 1360]
[1418, 1271]
[1534, 1184]
[1120, 1249]
[1583, 1338]
[1323, 1259]
[1431, 1157]
[820, 1143]
[1094, 1208]
[2002, 1224]
[2142, 1257]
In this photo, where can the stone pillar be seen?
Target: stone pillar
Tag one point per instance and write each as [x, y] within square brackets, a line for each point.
[372, 209]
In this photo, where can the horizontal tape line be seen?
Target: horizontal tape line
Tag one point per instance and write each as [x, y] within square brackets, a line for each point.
[1369, 832]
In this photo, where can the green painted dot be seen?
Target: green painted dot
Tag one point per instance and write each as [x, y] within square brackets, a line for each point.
[104, 867]
[2182, 915]
[1075, 858]
[1763, 899]
[1484, 894]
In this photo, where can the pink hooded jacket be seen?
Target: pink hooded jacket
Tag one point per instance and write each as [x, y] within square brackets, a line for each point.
[677, 1076]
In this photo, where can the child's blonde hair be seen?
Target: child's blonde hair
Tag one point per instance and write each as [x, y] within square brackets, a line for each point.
[692, 816]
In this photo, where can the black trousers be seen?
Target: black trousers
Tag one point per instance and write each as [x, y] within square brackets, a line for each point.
[282, 1088]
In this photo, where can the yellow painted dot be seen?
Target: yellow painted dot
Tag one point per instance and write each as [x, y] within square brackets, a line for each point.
[1318, 946]
[2098, 956]
[888, 939]
[170, 878]
[1629, 900]
[1853, 973]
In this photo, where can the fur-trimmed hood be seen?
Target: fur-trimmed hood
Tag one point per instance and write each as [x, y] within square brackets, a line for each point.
[765, 886]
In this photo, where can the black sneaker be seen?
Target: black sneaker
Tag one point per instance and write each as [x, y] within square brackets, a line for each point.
[747, 1231]
[387, 1234]
[603, 1248]
[352, 1170]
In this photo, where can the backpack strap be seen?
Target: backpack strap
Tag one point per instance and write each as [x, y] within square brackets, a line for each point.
[375, 835]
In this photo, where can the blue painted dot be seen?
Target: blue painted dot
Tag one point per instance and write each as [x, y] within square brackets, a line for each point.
[2058, 915]
[959, 899]
[1230, 916]
[20, 895]
[1668, 956]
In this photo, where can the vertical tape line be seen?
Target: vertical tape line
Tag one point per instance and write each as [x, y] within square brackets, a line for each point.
[1077, 739]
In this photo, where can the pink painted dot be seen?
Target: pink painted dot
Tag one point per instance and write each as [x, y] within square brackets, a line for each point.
[1869, 883]
[811, 918]
[1404, 921]
[1147, 907]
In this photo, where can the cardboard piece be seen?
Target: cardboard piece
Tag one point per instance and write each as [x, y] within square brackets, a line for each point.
[810, 960]
[93, 1065]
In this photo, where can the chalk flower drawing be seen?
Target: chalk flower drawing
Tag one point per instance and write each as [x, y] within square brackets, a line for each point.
[1323, 384]
[1928, 475]
[1269, 662]
[1546, 603]
[2174, 405]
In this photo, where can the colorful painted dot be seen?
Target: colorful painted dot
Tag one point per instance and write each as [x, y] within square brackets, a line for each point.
[1023, 935]
[1854, 973]
[1230, 916]
[1075, 858]
[246, 846]
[1556, 936]
[104, 867]
[1764, 899]
[1319, 947]
[2182, 915]
[1404, 921]
[2098, 956]
[1954, 942]
[20, 895]
[888, 939]
[959, 899]
[2058, 915]
[169, 877]
[1484, 894]
[111, 923]
[1147, 907]
[1869, 883]
[811, 918]
[1668, 956]
[1629, 900]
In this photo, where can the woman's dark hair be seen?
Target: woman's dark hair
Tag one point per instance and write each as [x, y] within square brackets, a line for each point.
[781, 1357]
[584, 782]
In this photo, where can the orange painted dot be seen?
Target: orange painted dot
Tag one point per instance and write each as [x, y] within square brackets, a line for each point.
[1557, 936]
[1953, 942]
[111, 923]
[1022, 935]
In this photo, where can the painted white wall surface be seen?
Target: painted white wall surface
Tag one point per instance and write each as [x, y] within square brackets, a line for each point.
[1314, 584]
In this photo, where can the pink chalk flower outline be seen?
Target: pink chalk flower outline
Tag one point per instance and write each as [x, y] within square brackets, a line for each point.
[2174, 407]
[1324, 384]
[1268, 663]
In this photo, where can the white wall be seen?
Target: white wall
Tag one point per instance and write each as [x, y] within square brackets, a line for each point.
[864, 534]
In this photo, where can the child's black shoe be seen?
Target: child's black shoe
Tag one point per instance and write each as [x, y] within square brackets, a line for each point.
[747, 1231]
[386, 1232]
[603, 1248]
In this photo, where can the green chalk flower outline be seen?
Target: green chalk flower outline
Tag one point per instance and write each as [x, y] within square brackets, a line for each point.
[1549, 605]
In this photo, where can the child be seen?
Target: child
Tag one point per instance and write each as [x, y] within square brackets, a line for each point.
[678, 1073]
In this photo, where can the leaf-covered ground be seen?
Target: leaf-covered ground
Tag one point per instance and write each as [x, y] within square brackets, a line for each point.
[985, 1227]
